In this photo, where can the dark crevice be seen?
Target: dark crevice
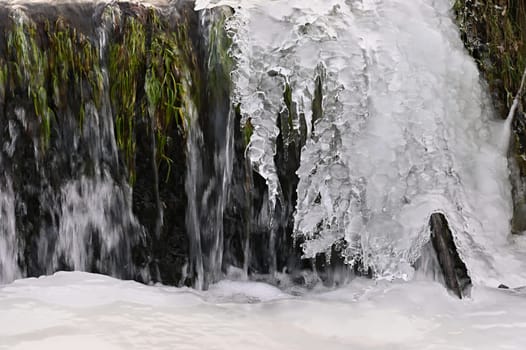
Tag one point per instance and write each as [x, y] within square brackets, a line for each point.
[455, 271]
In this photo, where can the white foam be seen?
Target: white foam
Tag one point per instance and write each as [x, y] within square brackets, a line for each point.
[82, 311]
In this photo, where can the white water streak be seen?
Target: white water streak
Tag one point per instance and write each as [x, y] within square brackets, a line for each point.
[8, 241]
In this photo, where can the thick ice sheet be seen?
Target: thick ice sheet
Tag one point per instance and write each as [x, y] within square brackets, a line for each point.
[85, 311]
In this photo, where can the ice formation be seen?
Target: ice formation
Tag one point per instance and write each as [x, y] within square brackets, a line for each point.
[406, 128]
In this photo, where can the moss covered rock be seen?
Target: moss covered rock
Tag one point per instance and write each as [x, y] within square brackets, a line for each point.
[494, 32]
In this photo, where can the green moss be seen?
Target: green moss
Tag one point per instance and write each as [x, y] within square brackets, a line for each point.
[152, 75]
[42, 55]
[164, 90]
[28, 69]
[494, 32]
[73, 61]
[220, 63]
[168, 85]
[126, 64]
[3, 80]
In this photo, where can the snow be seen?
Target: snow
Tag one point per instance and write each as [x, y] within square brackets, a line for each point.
[86, 311]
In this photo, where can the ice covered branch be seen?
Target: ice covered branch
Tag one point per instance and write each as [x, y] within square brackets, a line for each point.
[516, 100]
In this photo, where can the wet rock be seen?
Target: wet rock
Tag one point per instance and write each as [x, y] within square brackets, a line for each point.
[494, 34]
[455, 271]
[62, 122]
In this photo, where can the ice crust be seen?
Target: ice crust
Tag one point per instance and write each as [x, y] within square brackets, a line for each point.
[407, 129]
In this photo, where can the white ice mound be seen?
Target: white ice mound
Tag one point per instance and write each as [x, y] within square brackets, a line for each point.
[406, 129]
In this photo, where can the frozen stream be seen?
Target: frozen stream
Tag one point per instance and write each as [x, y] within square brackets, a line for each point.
[85, 311]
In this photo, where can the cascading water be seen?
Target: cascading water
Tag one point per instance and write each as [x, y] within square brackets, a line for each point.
[162, 143]
[209, 157]
[78, 113]
[85, 217]
[92, 234]
[215, 142]
[8, 240]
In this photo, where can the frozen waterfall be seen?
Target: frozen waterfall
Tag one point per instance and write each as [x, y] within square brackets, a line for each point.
[406, 129]
[169, 143]
[258, 174]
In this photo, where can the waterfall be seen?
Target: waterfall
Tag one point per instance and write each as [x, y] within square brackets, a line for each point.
[173, 142]
[210, 153]
[89, 147]
[262, 174]
[399, 127]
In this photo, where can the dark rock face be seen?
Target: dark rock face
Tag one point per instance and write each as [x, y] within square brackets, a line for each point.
[257, 236]
[95, 107]
[74, 125]
[517, 159]
[455, 272]
[494, 32]
[94, 117]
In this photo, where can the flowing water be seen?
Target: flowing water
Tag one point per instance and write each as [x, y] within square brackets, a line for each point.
[394, 124]
[8, 241]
